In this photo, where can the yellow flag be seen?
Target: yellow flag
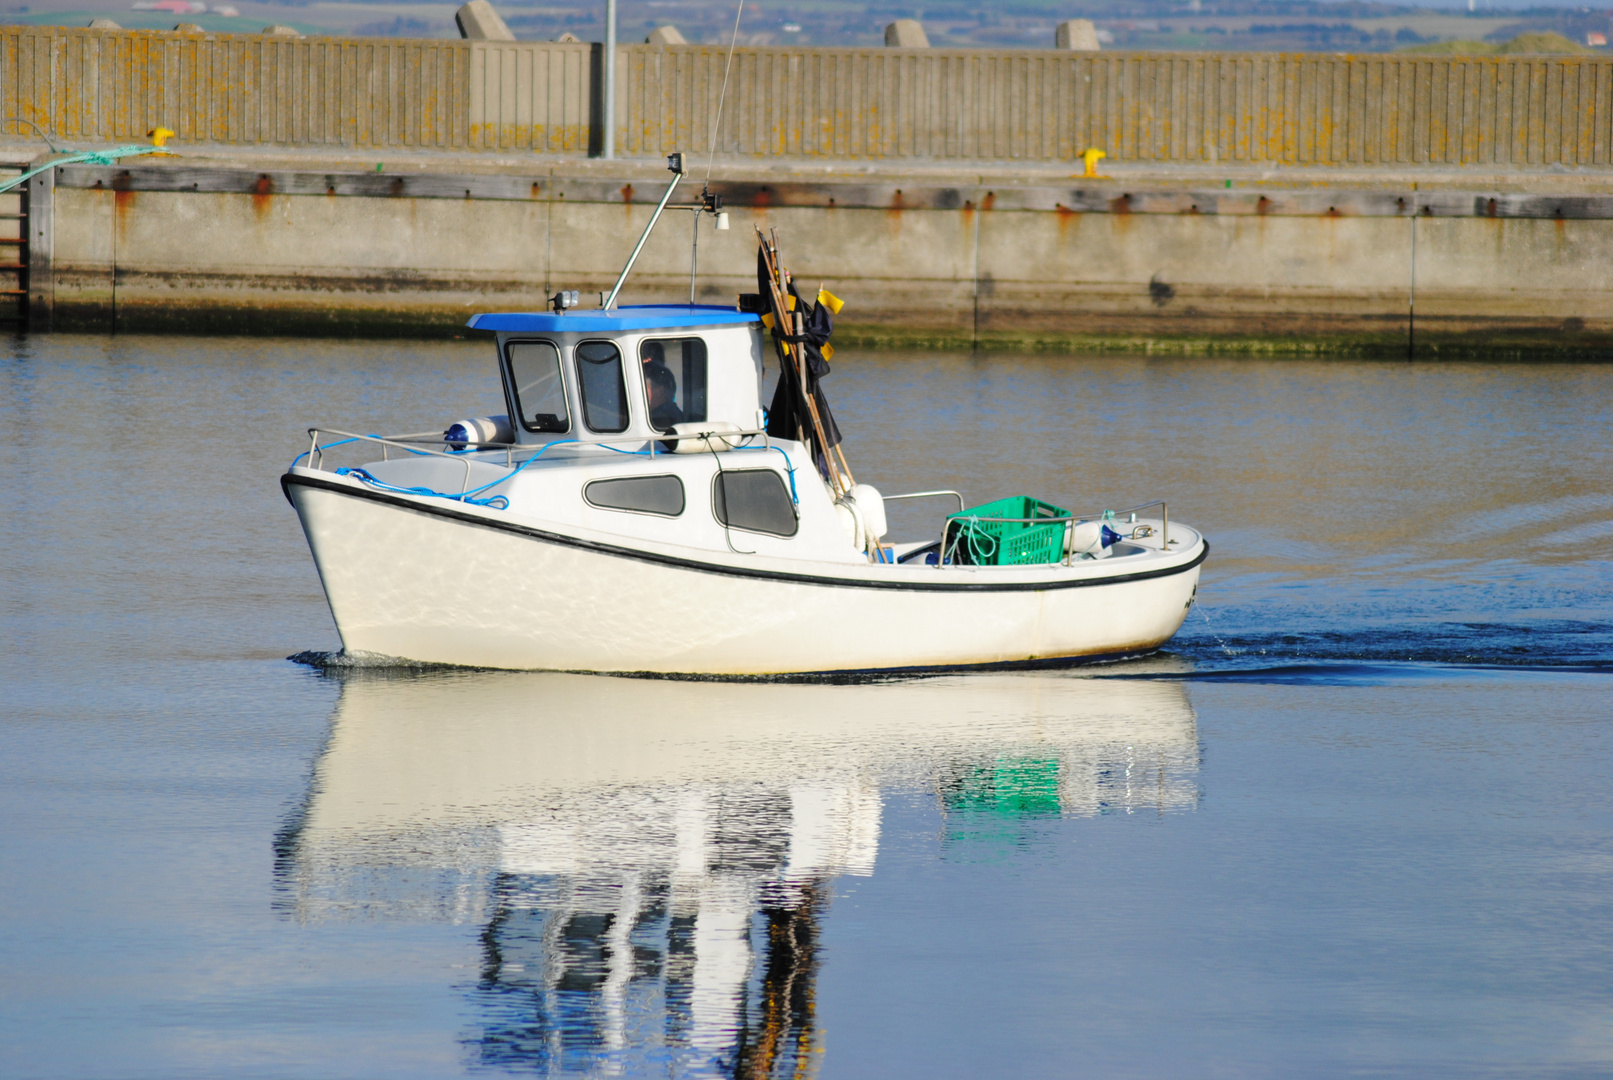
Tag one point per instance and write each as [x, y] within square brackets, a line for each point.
[767, 320]
[790, 300]
[834, 302]
[828, 351]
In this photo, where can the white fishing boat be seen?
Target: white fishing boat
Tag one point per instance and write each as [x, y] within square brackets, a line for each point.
[638, 509]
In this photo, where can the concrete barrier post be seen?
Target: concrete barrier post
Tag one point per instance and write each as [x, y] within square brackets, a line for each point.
[41, 195]
[479, 22]
[665, 35]
[906, 34]
[1076, 35]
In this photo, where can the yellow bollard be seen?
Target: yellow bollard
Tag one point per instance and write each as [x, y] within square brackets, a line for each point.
[1091, 155]
[159, 136]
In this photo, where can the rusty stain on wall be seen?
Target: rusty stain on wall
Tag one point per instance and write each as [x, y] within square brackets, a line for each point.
[1065, 218]
[122, 203]
[261, 196]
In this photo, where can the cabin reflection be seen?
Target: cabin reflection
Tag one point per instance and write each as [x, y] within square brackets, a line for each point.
[652, 862]
[683, 920]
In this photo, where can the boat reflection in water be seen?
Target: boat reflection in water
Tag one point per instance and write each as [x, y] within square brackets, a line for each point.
[652, 860]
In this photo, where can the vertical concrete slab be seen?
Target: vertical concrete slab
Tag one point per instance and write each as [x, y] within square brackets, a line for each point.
[40, 248]
[478, 21]
[1077, 35]
[906, 34]
[82, 259]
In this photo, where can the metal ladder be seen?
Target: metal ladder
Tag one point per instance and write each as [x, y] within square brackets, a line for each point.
[13, 249]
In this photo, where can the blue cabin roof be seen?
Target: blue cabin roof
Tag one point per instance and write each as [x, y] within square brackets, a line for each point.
[630, 317]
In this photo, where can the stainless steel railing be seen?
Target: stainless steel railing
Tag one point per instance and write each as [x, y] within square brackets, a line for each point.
[421, 443]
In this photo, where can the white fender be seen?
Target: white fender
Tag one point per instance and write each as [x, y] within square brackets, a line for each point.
[1086, 538]
[713, 430]
[852, 521]
[871, 504]
[479, 429]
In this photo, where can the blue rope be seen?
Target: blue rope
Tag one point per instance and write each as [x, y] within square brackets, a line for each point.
[497, 502]
[320, 449]
[789, 467]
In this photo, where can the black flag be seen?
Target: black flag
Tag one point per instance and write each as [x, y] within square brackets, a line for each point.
[788, 417]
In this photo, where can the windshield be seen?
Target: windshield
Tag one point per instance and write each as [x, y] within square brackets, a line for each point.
[539, 395]
[599, 378]
[674, 380]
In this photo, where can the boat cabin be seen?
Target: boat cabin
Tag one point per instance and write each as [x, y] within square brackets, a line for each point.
[610, 376]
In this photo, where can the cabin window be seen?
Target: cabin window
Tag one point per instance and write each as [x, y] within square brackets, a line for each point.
[604, 395]
[754, 499]
[540, 396]
[674, 380]
[642, 494]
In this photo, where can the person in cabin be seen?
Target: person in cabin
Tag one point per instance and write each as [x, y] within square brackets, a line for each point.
[661, 388]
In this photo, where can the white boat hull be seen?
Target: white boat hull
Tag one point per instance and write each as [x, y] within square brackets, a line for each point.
[439, 582]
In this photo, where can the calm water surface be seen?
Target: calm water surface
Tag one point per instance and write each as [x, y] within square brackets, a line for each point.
[1357, 819]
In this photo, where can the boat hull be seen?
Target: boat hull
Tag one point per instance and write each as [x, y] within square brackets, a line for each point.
[434, 583]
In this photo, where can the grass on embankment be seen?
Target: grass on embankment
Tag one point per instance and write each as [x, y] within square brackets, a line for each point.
[1532, 43]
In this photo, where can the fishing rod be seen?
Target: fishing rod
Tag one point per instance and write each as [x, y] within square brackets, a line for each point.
[792, 356]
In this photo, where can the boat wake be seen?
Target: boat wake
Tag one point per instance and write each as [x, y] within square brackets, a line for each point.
[1345, 673]
[1554, 643]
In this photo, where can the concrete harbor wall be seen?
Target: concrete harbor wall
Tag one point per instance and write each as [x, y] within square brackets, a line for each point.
[1248, 201]
[174, 246]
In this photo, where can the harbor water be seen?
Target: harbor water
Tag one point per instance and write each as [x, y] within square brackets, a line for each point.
[1356, 819]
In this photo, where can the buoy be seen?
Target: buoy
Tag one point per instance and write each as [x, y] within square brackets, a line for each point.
[479, 429]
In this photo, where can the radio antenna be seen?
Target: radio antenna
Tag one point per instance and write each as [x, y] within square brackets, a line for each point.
[716, 124]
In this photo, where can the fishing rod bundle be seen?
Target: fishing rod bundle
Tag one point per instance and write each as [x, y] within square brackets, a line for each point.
[801, 330]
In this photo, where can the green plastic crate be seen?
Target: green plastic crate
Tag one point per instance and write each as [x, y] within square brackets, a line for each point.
[971, 542]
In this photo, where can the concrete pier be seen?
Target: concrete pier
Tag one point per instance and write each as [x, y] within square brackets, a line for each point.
[1154, 258]
[1246, 201]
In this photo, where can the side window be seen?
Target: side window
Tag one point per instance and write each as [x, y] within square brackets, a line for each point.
[540, 397]
[644, 494]
[674, 380]
[754, 499]
[599, 380]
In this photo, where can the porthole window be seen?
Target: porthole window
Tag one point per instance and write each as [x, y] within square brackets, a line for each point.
[661, 495]
[755, 500]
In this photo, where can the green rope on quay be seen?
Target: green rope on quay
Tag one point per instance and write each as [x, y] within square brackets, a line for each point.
[92, 157]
